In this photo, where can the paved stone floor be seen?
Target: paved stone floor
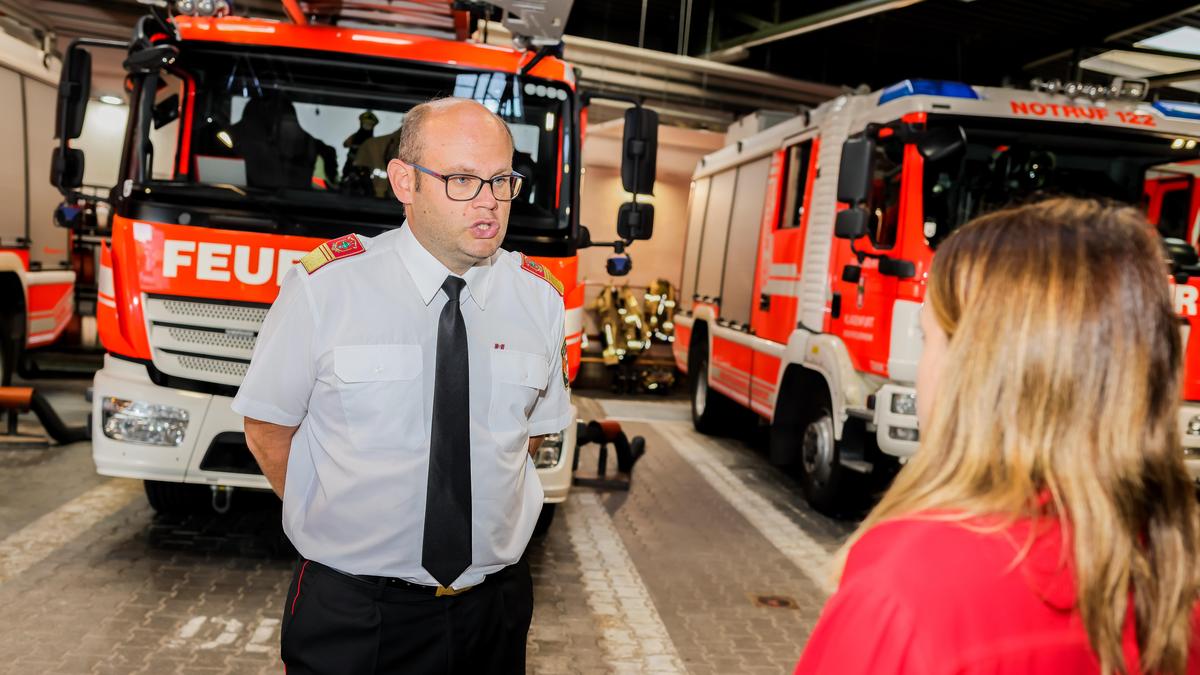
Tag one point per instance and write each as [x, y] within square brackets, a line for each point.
[711, 563]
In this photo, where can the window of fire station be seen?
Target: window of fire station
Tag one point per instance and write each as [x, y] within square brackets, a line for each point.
[795, 182]
[304, 133]
[884, 201]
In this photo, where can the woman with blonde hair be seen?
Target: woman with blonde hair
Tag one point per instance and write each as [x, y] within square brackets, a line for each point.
[1047, 524]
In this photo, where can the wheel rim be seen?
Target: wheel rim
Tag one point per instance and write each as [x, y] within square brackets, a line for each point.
[817, 452]
[700, 391]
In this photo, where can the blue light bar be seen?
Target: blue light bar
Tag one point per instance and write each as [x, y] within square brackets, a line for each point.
[927, 88]
[1181, 109]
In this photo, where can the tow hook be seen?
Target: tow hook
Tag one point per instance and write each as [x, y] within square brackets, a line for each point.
[222, 498]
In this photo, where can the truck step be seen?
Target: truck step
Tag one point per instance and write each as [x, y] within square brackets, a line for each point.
[856, 465]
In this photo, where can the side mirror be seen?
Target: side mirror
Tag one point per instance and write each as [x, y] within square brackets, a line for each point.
[1179, 253]
[851, 223]
[66, 169]
[1181, 259]
[941, 142]
[895, 267]
[74, 87]
[635, 221]
[639, 152]
[151, 59]
[854, 176]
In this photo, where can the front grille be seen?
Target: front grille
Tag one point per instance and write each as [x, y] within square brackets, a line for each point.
[224, 340]
[205, 340]
[215, 367]
[212, 312]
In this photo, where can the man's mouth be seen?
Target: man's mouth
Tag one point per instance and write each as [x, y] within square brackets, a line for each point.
[485, 229]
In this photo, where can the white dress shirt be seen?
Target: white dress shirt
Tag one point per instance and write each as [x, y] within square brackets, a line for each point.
[347, 353]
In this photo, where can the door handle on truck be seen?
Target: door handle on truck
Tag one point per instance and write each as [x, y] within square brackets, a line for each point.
[764, 301]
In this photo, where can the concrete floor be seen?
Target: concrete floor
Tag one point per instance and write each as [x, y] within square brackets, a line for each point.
[680, 574]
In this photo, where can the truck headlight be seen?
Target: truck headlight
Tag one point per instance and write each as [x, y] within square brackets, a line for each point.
[904, 404]
[140, 422]
[904, 434]
[1193, 426]
[549, 453]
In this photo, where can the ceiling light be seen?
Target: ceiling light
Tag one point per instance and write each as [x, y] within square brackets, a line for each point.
[1185, 40]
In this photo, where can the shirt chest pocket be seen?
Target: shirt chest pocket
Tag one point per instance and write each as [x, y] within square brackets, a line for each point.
[518, 378]
[382, 395]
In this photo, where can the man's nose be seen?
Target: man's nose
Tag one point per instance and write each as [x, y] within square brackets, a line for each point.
[485, 199]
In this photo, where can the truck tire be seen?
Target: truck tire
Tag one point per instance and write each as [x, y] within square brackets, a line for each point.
[821, 472]
[805, 440]
[545, 518]
[712, 411]
[12, 344]
[178, 498]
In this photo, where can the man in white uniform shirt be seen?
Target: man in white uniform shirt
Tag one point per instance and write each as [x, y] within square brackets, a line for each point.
[397, 389]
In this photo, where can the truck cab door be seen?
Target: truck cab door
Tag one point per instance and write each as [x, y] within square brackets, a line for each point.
[861, 310]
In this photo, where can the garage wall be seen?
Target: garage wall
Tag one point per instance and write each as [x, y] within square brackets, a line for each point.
[601, 196]
[660, 256]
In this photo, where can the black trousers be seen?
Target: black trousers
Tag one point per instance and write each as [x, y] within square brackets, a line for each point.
[336, 624]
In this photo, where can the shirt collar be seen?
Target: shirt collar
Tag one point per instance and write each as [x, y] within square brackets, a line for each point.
[428, 273]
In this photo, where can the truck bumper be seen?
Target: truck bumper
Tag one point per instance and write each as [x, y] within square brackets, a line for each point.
[208, 416]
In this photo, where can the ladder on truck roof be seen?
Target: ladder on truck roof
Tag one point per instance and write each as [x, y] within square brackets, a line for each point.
[532, 22]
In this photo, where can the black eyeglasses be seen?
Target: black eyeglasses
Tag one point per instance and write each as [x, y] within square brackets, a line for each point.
[463, 187]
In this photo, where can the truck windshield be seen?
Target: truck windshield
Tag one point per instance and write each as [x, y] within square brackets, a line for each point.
[977, 166]
[300, 133]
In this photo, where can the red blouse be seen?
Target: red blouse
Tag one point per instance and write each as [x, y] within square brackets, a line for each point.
[921, 596]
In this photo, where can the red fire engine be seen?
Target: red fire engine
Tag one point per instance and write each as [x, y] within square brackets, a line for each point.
[252, 141]
[40, 263]
[808, 246]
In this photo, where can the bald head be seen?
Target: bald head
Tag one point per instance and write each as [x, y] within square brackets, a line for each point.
[452, 112]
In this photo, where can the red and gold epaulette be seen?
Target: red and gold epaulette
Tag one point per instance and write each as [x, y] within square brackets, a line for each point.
[539, 270]
[342, 247]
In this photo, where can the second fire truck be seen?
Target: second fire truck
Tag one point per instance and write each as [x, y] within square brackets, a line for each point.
[809, 243]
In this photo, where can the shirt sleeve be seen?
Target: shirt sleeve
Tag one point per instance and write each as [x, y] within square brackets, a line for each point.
[282, 373]
[862, 631]
[552, 411]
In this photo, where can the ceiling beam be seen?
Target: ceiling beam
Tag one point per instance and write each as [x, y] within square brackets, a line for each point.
[812, 22]
[1180, 12]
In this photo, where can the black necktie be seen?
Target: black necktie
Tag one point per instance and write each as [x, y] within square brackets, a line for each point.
[446, 551]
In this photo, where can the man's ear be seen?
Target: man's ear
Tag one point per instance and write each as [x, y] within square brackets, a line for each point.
[402, 178]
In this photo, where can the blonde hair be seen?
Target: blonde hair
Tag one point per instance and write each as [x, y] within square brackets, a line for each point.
[1062, 375]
